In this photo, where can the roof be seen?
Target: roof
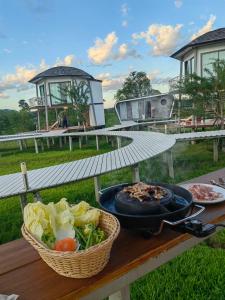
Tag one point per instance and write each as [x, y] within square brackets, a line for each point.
[210, 37]
[62, 71]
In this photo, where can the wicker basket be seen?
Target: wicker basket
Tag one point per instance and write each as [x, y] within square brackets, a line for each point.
[81, 264]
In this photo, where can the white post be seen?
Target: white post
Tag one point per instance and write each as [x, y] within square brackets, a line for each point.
[97, 143]
[135, 173]
[53, 141]
[165, 128]
[46, 118]
[36, 146]
[164, 157]
[118, 141]
[170, 163]
[38, 120]
[86, 137]
[23, 201]
[42, 145]
[123, 294]
[60, 142]
[215, 151]
[71, 143]
[64, 139]
[180, 96]
[46, 109]
[97, 185]
[24, 144]
[48, 142]
[20, 145]
[80, 142]
[107, 139]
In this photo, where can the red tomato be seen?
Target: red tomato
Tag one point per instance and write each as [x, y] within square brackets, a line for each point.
[67, 244]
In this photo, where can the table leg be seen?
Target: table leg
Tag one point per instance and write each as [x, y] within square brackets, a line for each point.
[123, 294]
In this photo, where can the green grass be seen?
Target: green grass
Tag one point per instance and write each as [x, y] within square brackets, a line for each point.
[111, 117]
[198, 274]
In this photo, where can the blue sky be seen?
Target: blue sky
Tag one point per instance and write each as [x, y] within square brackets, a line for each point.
[108, 39]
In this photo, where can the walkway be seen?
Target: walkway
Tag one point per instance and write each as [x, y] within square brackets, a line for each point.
[144, 145]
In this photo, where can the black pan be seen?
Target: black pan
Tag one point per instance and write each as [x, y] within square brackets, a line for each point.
[177, 211]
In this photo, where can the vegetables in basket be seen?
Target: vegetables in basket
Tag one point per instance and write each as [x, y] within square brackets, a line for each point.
[89, 235]
[54, 223]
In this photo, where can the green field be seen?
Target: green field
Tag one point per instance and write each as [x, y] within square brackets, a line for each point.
[197, 274]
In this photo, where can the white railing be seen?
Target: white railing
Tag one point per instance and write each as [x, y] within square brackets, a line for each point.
[36, 101]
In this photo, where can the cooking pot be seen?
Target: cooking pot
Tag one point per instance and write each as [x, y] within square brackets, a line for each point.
[180, 212]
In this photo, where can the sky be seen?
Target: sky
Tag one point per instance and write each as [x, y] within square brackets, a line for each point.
[105, 38]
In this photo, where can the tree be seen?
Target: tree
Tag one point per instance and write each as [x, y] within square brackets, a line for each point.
[198, 92]
[79, 93]
[23, 105]
[216, 77]
[136, 85]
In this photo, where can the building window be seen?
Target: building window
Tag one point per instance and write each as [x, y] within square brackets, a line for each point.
[57, 93]
[163, 102]
[208, 59]
[189, 66]
[42, 91]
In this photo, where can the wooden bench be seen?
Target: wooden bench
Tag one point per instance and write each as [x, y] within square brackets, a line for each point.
[22, 271]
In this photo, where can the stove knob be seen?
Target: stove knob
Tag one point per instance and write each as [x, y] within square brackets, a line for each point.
[196, 225]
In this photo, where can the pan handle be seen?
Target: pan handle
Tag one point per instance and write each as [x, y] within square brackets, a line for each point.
[112, 186]
[201, 209]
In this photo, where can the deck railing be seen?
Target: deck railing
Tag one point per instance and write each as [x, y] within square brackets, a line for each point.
[36, 101]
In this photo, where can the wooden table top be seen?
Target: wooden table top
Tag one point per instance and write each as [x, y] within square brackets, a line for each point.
[22, 271]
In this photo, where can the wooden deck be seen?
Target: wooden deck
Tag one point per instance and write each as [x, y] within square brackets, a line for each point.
[143, 146]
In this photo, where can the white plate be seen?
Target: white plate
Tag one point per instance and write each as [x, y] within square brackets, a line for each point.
[215, 188]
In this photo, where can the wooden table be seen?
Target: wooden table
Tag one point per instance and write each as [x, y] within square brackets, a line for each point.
[22, 272]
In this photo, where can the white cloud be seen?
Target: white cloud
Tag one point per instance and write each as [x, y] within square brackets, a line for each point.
[105, 50]
[124, 9]
[124, 23]
[191, 23]
[111, 83]
[163, 38]
[178, 3]
[3, 96]
[124, 52]
[153, 74]
[19, 79]
[66, 61]
[6, 50]
[207, 27]
[102, 49]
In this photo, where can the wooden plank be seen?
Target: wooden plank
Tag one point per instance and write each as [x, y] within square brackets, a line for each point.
[76, 166]
[14, 250]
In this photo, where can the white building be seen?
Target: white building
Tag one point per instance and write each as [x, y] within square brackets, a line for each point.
[198, 55]
[155, 107]
[49, 93]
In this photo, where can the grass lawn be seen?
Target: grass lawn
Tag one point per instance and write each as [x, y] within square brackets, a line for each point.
[197, 274]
